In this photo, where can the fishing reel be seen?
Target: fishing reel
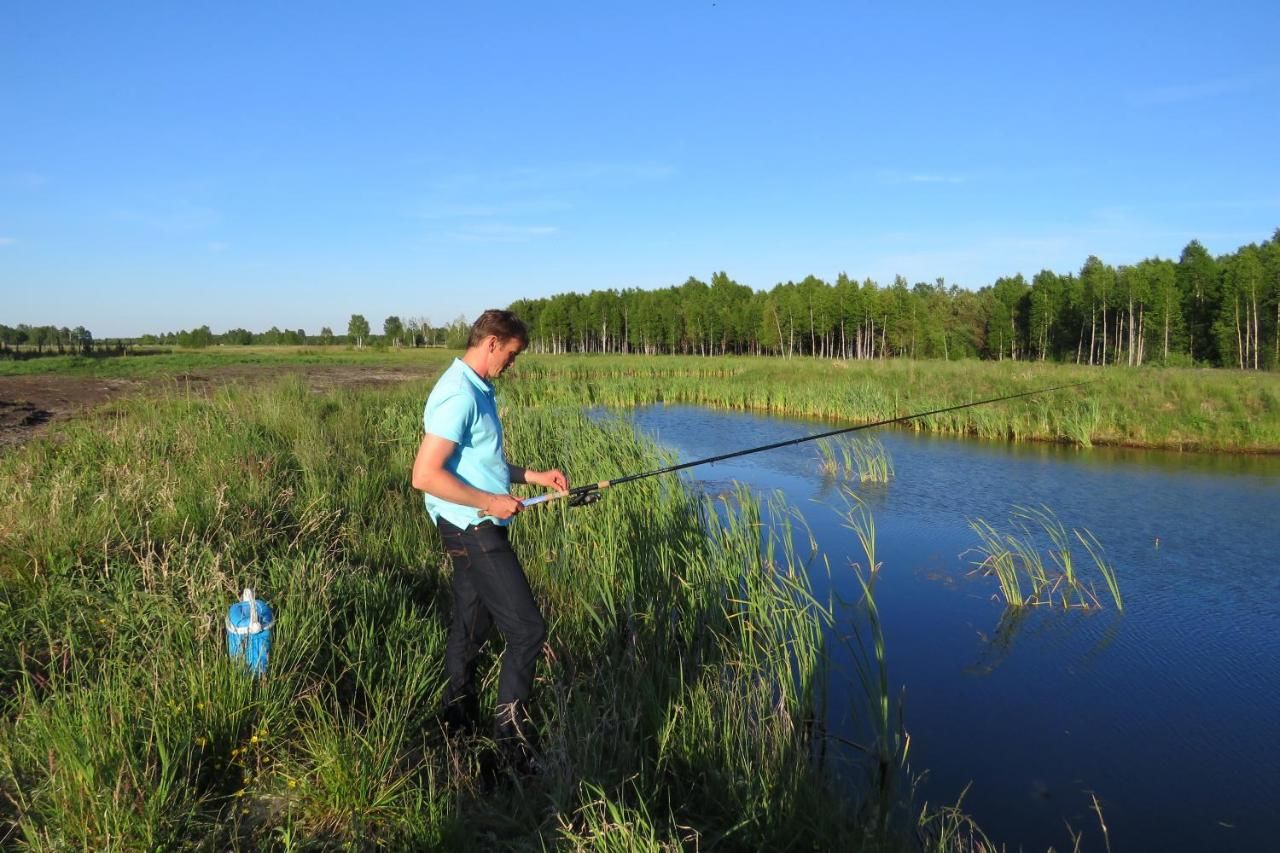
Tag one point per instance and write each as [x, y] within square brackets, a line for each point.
[584, 498]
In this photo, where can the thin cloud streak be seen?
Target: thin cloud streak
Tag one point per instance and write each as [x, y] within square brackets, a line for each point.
[895, 176]
[171, 219]
[482, 210]
[1203, 90]
[589, 174]
[502, 232]
[8, 241]
[935, 179]
[30, 180]
[574, 176]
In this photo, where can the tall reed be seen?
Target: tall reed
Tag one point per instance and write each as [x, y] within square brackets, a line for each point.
[890, 743]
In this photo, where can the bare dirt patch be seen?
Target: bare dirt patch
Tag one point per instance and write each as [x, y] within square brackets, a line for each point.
[29, 404]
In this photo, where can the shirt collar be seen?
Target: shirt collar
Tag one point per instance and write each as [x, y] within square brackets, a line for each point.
[469, 372]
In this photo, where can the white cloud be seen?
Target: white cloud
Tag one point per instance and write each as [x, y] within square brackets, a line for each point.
[502, 232]
[895, 176]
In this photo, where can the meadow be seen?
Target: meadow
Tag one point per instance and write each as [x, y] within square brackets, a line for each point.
[676, 703]
[677, 700]
[1195, 409]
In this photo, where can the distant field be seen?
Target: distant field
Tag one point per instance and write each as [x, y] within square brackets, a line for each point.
[165, 361]
[1172, 408]
[39, 393]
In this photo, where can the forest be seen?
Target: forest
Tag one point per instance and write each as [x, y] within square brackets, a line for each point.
[1204, 310]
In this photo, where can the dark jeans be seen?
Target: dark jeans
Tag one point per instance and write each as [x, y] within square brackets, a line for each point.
[489, 588]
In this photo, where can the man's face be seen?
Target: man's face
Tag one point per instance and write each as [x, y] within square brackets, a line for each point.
[502, 354]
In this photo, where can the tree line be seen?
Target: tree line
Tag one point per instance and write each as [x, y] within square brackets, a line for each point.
[47, 338]
[413, 332]
[1219, 311]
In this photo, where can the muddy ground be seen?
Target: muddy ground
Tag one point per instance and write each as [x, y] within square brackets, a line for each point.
[31, 404]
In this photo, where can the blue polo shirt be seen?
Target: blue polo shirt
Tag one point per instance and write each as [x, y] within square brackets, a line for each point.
[462, 409]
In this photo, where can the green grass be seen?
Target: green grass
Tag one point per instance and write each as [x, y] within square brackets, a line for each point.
[155, 362]
[676, 711]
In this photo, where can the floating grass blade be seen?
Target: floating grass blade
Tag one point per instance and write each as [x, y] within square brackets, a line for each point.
[1108, 572]
[997, 559]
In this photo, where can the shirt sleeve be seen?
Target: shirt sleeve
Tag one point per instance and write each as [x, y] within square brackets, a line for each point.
[452, 418]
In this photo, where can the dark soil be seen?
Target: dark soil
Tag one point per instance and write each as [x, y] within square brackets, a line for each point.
[30, 404]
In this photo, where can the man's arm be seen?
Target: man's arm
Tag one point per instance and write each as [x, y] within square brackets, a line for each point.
[551, 479]
[430, 476]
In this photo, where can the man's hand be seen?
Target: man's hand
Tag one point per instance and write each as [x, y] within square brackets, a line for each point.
[502, 507]
[552, 479]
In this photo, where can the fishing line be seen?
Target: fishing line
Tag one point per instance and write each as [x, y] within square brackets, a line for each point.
[590, 493]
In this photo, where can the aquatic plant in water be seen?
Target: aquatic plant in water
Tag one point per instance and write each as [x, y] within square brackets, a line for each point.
[850, 457]
[1019, 553]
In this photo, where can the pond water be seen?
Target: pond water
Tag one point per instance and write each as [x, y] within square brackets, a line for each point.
[1168, 712]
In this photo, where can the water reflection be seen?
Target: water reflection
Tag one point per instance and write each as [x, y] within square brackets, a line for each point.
[1051, 630]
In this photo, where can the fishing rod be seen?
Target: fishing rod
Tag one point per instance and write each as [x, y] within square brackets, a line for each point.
[590, 493]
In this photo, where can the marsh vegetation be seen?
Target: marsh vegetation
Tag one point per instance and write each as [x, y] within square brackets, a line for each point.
[681, 704]
[677, 702]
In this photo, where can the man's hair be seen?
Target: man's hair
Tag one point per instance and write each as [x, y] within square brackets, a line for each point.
[504, 324]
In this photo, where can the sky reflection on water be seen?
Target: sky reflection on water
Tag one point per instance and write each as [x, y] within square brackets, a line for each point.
[1168, 711]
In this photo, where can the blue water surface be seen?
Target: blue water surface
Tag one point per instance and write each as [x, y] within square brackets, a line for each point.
[1167, 712]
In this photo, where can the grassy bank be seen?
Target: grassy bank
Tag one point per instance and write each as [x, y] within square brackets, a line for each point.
[675, 711]
[1180, 409]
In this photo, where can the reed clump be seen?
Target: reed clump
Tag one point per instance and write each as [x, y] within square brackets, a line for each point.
[1034, 563]
[863, 459]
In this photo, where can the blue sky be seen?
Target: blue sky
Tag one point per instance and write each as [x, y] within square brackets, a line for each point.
[167, 165]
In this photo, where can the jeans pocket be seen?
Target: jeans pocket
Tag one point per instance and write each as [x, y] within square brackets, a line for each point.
[453, 539]
[489, 537]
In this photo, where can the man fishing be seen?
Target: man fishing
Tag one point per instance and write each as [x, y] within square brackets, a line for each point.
[467, 480]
